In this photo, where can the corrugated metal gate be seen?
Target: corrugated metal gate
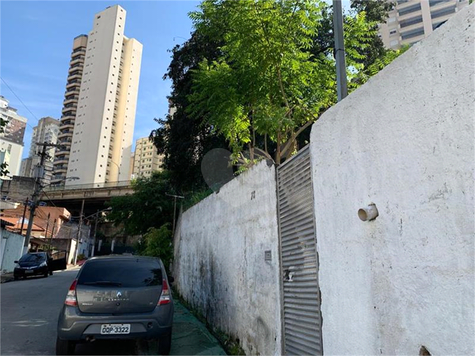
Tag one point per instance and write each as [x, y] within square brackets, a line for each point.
[299, 262]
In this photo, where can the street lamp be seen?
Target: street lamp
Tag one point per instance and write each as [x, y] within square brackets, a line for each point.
[174, 208]
[118, 170]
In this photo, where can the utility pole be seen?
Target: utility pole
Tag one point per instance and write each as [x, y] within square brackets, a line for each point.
[36, 194]
[174, 209]
[24, 214]
[95, 234]
[78, 236]
[51, 236]
[47, 226]
[342, 86]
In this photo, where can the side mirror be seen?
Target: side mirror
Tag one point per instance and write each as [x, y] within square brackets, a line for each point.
[15, 261]
[171, 279]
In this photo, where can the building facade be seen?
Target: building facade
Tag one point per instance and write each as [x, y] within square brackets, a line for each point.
[68, 114]
[105, 115]
[146, 158]
[47, 130]
[412, 20]
[11, 139]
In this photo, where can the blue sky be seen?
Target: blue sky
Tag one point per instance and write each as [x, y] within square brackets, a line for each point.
[36, 39]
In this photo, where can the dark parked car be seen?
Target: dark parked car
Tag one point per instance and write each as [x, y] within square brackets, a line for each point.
[38, 263]
[117, 297]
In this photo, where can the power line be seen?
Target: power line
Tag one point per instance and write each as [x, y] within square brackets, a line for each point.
[48, 198]
[21, 101]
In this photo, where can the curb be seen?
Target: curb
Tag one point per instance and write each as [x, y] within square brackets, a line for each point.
[7, 277]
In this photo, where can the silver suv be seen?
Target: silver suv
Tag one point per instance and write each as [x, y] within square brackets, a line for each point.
[117, 297]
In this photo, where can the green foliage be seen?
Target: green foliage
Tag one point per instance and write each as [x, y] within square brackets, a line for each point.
[266, 81]
[196, 197]
[158, 243]
[184, 140]
[275, 73]
[81, 257]
[147, 207]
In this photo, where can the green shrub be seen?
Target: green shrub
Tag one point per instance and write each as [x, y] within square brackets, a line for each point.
[81, 257]
[158, 243]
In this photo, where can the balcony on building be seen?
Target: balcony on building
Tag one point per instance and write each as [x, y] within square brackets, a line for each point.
[71, 97]
[77, 60]
[61, 168]
[74, 75]
[60, 160]
[78, 50]
[69, 111]
[65, 133]
[75, 84]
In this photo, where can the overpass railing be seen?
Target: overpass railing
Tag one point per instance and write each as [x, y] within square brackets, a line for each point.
[125, 183]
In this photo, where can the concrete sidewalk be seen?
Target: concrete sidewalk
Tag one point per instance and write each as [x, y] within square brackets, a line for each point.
[189, 336]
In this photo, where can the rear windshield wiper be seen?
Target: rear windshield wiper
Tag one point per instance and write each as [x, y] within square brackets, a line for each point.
[103, 283]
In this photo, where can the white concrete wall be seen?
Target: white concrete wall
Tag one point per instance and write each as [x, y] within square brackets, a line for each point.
[11, 250]
[404, 141]
[219, 265]
[13, 153]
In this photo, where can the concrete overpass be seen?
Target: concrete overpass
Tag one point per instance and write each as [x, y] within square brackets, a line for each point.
[94, 196]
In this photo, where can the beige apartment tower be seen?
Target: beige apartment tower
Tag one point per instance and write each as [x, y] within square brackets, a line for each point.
[412, 20]
[68, 113]
[146, 158]
[101, 142]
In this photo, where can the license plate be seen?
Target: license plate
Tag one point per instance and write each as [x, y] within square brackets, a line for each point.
[115, 329]
[29, 271]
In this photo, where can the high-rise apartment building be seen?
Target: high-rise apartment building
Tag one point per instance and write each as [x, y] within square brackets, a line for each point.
[105, 117]
[146, 158]
[98, 116]
[412, 20]
[70, 104]
[47, 130]
[11, 140]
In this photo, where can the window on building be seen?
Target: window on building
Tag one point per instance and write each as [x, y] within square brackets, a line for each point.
[443, 12]
[412, 33]
[411, 21]
[409, 9]
[437, 2]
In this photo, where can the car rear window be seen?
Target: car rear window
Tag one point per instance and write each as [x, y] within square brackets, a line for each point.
[34, 257]
[126, 273]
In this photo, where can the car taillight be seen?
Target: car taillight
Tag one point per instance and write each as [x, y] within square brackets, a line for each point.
[71, 296]
[165, 296]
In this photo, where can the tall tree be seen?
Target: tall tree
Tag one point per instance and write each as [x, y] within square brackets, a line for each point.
[181, 138]
[266, 80]
[147, 207]
[275, 73]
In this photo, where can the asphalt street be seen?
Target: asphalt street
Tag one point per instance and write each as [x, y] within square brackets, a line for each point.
[29, 314]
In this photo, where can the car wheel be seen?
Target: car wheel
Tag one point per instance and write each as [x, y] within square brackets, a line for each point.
[65, 347]
[16, 278]
[45, 274]
[50, 273]
[165, 344]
